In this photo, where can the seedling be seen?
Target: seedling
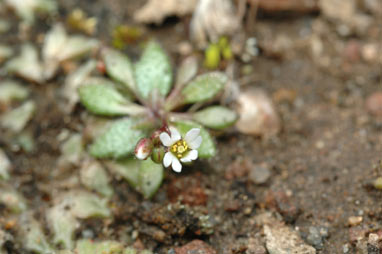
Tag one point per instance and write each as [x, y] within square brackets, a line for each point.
[156, 119]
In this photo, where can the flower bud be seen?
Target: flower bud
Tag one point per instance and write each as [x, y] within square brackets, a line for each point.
[158, 154]
[143, 148]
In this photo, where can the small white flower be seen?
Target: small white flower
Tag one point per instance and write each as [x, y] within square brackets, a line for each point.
[180, 150]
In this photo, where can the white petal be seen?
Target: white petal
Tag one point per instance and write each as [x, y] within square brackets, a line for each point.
[141, 154]
[194, 144]
[175, 135]
[176, 166]
[192, 134]
[191, 156]
[165, 138]
[168, 159]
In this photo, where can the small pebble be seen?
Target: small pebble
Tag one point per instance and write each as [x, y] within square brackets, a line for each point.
[345, 248]
[258, 116]
[196, 246]
[370, 52]
[259, 174]
[284, 204]
[374, 104]
[352, 51]
[281, 239]
[184, 48]
[316, 236]
[247, 211]
[373, 239]
[355, 220]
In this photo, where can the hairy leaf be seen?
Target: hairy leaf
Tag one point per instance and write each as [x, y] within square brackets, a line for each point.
[216, 117]
[187, 70]
[118, 141]
[150, 177]
[94, 177]
[144, 176]
[153, 71]
[102, 99]
[83, 204]
[12, 91]
[204, 87]
[33, 236]
[16, 119]
[119, 67]
[5, 166]
[27, 65]
[63, 224]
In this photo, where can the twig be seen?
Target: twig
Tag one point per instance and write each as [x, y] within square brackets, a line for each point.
[252, 14]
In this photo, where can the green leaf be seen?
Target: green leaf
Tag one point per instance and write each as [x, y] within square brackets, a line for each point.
[65, 252]
[12, 200]
[207, 149]
[33, 236]
[144, 176]
[12, 91]
[94, 177]
[16, 119]
[95, 126]
[5, 52]
[25, 141]
[104, 247]
[150, 177]
[146, 252]
[74, 80]
[127, 94]
[118, 141]
[153, 71]
[63, 224]
[187, 70]
[27, 10]
[4, 25]
[59, 47]
[127, 168]
[83, 204]
[27, 65]
[130, 250]
[85, 247]
[216, 117]
[55, 40]
[71, 150]
[77, 46]
[204, 87]
[102, 99]
[119, 67]
[5, 166]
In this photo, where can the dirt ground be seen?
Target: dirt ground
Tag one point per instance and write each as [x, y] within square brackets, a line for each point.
[322, 163]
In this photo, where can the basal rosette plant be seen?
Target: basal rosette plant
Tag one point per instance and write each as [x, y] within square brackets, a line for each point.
[156, 120]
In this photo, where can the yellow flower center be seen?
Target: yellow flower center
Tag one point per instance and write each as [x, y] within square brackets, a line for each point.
[180, 148]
